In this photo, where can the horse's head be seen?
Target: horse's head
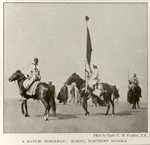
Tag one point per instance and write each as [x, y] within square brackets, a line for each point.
[73, 78]
[15, 76]
[116, 92]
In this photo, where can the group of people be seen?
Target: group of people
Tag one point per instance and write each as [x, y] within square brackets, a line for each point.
[71, 95]
[34, 74]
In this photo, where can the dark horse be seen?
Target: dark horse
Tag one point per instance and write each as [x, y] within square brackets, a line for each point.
[107, 93]
[134, 94]
[43, 93]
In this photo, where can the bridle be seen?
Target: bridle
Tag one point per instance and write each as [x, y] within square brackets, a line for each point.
[77, 79]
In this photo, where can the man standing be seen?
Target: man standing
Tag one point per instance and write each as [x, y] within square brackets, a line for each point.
[63, 94]
[52, 88]
[33, 74]
[72, 93]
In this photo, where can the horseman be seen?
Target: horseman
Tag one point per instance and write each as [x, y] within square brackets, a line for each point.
[134, 84]
[33, 74]
[93, 76]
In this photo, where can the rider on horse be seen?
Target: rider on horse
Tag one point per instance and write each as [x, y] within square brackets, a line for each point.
[134, 81]
[33, 74]
[134, 84]
[93, 76]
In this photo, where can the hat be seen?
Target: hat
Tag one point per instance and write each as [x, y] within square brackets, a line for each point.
[36, 60]
[50, 82]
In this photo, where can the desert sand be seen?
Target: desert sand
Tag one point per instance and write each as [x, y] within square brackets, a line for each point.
[70, 118]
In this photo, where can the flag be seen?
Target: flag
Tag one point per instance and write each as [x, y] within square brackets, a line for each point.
[88, 47]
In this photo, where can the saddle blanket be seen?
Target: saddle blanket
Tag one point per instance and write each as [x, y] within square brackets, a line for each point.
[31, 91]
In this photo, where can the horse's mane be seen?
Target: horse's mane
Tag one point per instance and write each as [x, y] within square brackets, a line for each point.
[22, 76]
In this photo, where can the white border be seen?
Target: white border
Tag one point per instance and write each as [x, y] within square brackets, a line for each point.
[17, 139]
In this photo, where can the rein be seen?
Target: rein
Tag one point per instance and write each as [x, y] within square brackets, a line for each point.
[16, 84]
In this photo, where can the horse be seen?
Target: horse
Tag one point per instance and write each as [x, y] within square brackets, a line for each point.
[43, 93]
[106, 92]
[134, 95]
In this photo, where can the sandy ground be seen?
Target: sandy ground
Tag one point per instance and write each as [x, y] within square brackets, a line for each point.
[70, 119]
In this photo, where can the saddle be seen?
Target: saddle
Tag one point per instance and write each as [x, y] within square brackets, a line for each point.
[32, 89]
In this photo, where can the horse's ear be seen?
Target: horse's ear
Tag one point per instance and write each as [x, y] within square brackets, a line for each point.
[74, 73]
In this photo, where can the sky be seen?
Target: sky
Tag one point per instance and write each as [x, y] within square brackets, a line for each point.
[56, 34]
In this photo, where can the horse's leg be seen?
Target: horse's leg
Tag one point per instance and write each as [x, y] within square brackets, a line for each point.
[46, 108]
[133, 107]
[108, 107]
[112, 103]
[138, 104]
[134, 103]
[26, 108]
[84, 105]
[22, 107]
[49, 107]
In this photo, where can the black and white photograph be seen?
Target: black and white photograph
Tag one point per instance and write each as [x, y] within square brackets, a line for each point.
[74, 72]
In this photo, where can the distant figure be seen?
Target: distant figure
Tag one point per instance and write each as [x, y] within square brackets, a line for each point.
[72, 93]
[33, 74]
[63, 94]
[78, 97]
[134, 81]
[52, 88]
[134, 88]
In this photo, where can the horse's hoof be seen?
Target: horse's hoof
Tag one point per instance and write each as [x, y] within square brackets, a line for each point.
[26, 115]
[45, 118]
[104, 116]
[112, 115]
[87, 114]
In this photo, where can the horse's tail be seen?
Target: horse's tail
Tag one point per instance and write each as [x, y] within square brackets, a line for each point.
[52, 100]
[116, 101]
[115, 97]
[53, 103]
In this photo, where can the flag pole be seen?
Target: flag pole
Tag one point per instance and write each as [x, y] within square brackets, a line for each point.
[128, 74]
[86, 18]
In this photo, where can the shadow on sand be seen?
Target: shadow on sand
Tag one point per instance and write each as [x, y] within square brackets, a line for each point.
[125, 113]
[60, 116]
